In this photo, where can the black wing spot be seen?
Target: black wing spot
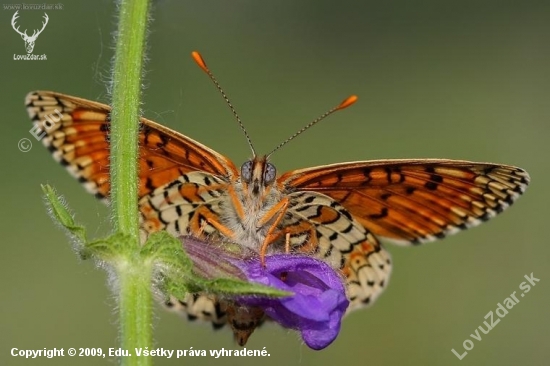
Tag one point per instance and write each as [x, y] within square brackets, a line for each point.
[366, 173]
[485, 216]
[146, 131]
[388, 174]
[383, 213]
[488, 170]
[163, 140]
[435, 179]
[346, 213]
[348, 229]
[303, 208]
[172, 184]
[319, 213]
[217, 326]
[149, 184]
[518, 188]
[509, 200]
[385, 196]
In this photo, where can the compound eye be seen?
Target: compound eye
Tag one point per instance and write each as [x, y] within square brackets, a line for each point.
[246, 171]
[270, 173]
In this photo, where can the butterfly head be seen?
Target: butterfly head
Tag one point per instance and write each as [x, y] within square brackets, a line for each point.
[257, 175]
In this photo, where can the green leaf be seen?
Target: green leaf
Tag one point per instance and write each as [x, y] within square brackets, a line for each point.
[228, 286]
[60, 213]
[176, 268]
[163, 248]
[110, 249]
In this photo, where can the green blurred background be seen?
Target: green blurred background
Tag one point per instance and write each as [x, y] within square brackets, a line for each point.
[442, 79]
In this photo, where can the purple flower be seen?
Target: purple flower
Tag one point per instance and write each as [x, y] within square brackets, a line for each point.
[318, 302]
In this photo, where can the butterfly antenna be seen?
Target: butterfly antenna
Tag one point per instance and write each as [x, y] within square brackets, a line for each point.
[200, 61]
[346, 103]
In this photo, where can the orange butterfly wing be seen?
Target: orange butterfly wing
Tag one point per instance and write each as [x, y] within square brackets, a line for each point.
[414, 201]
[76, 131]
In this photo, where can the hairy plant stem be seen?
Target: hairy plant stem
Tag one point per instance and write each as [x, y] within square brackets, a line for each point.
[133, 271]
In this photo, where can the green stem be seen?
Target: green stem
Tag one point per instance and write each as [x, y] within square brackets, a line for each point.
[133, 272]
[124, 119]
[135, 310]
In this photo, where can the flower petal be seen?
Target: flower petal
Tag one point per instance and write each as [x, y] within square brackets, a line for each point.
[319, 300]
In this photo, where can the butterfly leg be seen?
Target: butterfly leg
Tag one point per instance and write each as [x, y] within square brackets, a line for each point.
[287, 243]
[209, 219]
[212, 219]
[236, 202]
[278, 212]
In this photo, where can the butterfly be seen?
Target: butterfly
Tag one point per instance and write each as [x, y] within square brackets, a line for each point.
[337, 213]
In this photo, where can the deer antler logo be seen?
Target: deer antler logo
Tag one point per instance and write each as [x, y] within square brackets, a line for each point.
[29, 40]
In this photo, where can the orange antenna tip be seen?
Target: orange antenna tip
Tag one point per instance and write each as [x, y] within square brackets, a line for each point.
[199, 60]
[346, 103]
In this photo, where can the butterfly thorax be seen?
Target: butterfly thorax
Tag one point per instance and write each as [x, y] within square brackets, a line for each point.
[254, 195]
